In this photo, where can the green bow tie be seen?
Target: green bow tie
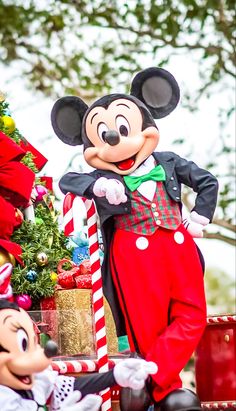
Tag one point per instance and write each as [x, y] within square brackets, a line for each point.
[156, 174]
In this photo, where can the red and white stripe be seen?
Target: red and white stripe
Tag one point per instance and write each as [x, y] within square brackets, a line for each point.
[221, 319]
[74, 366]
[68, 217]
[5, 285]
[219, 405]
[97, 291]
[77, 366]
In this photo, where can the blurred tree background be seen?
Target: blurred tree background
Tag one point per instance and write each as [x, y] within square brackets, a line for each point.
[220, 291]
[90, 48]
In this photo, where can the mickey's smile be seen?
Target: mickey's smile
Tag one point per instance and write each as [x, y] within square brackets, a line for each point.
[126, 164]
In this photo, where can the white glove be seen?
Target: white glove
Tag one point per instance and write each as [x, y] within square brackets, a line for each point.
[194, 229]
[112, 189]
[196, 224]
[90, 402]
[200, 219]
[133, 372]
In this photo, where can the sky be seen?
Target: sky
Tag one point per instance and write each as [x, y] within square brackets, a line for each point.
[31, 113]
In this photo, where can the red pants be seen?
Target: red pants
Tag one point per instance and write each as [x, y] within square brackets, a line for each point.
[159, 281]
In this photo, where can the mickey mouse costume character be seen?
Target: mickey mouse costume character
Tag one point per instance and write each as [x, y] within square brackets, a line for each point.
[26, 382]
[152, 269]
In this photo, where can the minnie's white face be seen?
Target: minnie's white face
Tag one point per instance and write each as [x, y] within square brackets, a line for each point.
[132, 145]
[20, 354]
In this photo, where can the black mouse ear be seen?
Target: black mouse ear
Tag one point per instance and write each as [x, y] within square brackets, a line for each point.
[66, 117]
[157, 89]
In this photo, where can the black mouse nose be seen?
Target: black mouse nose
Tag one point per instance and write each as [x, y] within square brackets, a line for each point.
[50, 349]
[112, 137]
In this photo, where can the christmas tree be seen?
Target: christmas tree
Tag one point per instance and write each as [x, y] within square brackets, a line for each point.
[34, 246]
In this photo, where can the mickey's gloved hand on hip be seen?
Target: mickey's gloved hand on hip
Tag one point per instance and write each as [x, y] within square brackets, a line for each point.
[196, 224]
[200, 219]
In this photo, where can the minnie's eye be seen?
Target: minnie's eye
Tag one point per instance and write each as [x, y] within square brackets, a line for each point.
[22, 340]
[122, 126]
[102, 129]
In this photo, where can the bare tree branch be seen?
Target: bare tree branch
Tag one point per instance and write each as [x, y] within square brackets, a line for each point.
[221, 237]
[224, 224]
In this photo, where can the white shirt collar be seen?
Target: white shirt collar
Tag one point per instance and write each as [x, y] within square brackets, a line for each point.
[145, 167]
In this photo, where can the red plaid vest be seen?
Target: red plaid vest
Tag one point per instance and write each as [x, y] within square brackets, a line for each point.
[147, 216]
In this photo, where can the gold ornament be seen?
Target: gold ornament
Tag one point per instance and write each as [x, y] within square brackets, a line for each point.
[6, 257]
[42, 259]
[8, 123]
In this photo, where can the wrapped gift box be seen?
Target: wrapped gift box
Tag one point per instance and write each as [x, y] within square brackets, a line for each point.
[73, 325]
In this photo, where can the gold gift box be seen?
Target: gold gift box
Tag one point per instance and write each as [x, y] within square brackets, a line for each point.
[76, 326]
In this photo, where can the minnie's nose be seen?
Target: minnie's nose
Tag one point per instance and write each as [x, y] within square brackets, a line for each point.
[112, 137]
[50, 349]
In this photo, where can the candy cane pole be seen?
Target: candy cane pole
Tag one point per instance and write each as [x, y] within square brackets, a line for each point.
[97, 292]
[68, 213]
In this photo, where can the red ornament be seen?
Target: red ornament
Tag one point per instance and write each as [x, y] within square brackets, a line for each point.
[24, 301]
[48, 303]
[41, 191]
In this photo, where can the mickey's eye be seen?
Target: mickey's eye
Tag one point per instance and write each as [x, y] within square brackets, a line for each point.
[122, 126]
[102, 129]
[22, 340]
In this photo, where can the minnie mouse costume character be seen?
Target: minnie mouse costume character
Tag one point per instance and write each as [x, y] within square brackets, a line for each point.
[152, 271]
[28, 384]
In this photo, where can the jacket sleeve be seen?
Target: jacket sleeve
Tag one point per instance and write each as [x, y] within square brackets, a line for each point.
[202, 182]
[79, 184]
[94, 383]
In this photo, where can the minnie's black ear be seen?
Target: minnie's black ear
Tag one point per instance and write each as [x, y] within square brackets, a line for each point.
[66, 117]
[157, 89]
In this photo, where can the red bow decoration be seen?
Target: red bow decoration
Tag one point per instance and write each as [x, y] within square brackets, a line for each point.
[16, 182]
[38, 159]
[16, 179]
